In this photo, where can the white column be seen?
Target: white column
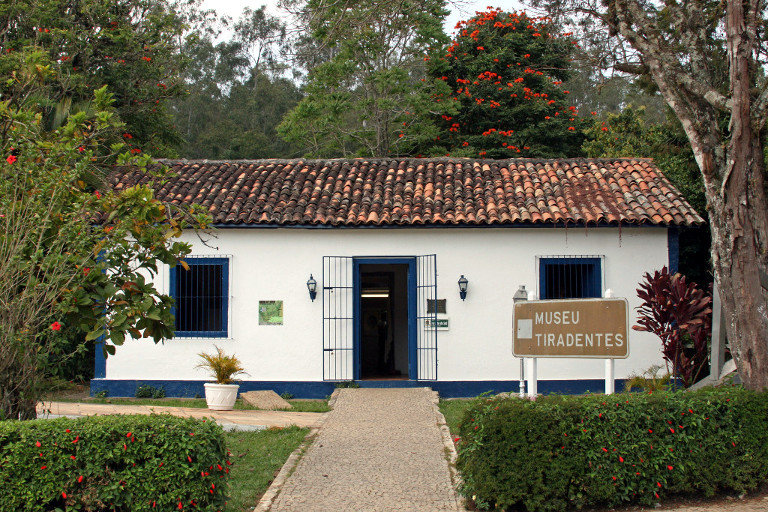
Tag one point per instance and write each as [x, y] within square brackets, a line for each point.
[533, 388]
[609, 380]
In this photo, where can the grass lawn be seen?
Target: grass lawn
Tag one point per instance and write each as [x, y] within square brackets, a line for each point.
[198, 403]
[453, 410]
[256, 459]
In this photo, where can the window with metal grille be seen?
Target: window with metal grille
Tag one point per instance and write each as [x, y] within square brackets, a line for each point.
[572, 277]
[202, 297]
[436, 306]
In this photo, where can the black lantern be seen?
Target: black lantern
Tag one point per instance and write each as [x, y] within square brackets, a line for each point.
[463, 287]
[312, 287]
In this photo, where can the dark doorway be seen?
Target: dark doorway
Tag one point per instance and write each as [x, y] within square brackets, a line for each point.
[384, 321]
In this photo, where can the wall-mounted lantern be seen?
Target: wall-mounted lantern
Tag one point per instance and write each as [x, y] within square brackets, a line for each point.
[520, 295]
[312, 287]
[463, 283]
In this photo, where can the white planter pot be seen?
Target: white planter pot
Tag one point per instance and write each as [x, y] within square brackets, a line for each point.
[221, 397]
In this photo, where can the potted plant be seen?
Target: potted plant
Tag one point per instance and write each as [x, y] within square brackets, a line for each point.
[221, 395]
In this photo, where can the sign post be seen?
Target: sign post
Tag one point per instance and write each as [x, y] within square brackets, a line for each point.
[576, 328]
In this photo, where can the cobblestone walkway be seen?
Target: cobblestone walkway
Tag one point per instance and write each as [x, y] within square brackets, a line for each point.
[378, 450]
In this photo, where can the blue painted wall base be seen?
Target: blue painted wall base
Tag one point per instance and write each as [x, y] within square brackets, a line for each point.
[446, 389]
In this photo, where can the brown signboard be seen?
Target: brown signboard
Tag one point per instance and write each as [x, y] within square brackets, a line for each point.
[594, 328]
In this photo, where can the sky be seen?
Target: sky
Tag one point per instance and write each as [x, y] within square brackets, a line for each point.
[466, 9]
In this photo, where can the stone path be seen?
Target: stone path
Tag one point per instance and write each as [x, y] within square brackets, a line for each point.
[378, 450]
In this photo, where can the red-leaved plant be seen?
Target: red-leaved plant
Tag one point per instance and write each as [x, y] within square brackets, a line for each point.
[680, 314]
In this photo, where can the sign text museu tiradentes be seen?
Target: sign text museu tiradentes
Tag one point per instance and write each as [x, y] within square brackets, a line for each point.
[596, 328]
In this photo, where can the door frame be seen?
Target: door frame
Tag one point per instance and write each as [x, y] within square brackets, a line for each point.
[357, 306]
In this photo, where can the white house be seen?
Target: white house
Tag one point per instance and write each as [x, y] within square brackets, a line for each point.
[387, 241]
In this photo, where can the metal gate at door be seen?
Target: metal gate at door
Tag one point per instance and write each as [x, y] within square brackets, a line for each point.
[338, 296]
[338, 318]
[426, 320]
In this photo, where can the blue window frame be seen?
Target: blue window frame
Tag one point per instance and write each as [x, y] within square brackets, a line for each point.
[570, 278]
[202, 298]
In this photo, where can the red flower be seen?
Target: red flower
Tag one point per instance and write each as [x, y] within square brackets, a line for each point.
[129, 434]
[621, 459]
[64, 495]
[81, 149]
[604, 129]
[480, 48]
[11, 159]
[38, 444]
[55, 326]
[80, 479]
[670, 468]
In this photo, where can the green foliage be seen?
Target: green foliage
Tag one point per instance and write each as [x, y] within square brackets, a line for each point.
[76, 260]
[648, 380]
[148, 391]
[222, 367]
[504, 73]
[123, 463]
[131, 46]
[237, 95]
[372, 97]
[566, 451]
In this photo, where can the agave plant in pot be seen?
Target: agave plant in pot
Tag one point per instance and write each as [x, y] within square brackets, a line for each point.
[221, 394]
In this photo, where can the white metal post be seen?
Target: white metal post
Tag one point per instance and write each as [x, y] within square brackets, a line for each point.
[609, 380]
[522, 377]
[533, 388]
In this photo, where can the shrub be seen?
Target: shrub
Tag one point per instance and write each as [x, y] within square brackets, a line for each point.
[561, 452]
[147, 391]
[120, 463]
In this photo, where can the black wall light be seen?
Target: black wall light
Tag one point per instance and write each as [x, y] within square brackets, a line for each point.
[463, 283]
[312, 287]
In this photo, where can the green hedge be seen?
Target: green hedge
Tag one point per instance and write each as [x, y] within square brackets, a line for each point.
[119, 463]
[564, 452]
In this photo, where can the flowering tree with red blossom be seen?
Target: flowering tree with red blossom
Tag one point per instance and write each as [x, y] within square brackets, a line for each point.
[132, 46]
[75, 260]
[506, 72]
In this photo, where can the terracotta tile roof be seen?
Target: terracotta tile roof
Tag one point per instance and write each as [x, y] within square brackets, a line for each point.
[442, 191]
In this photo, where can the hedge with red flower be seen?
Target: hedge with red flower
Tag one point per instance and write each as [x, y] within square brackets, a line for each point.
[565, 451]
[130, 463]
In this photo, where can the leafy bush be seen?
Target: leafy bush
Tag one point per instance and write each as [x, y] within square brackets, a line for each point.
[120, 463]
[561, 452]
[147, 391]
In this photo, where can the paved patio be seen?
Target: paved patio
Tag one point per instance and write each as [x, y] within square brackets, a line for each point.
[230, 420]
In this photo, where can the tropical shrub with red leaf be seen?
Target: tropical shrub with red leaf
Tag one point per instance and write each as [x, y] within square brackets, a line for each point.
[680, 314]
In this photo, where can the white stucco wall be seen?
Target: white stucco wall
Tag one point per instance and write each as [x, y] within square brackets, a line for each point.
[274, 264]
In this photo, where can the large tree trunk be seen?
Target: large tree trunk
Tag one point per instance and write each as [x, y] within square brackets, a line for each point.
[739, 215]
[739, 229]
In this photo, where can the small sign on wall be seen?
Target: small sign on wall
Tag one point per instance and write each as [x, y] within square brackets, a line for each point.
[441, 324]
[270, 312]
